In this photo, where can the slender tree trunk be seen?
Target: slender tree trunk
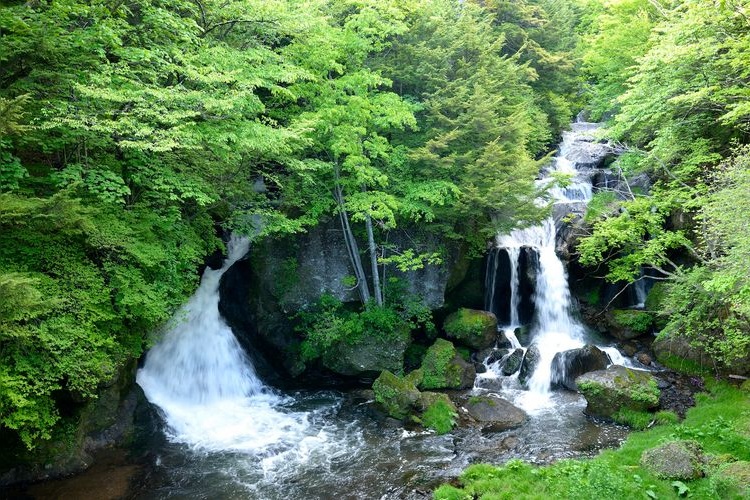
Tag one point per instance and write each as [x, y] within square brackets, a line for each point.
[351, 246]
[374, 262]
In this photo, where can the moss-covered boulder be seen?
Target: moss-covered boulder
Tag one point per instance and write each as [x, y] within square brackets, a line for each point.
[472, 328]
[397, 395]
[732, 481]
[627, 324]
[437, 412]
[512, 362]
[681, 460]
[494, 413]
[369, 354]
[444, 368]
[617, 388]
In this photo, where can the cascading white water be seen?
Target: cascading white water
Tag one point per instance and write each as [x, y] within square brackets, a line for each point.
[206, 387]
[554, 328]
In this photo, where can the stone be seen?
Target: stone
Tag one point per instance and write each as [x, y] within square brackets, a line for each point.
[529, 364]
[369, 354]
[395, 394]
[643, 358]
[678, 460]
[568, 365]
[444, 368]
[472, 328]
[495, 414]
[513, 362]
[616, 388]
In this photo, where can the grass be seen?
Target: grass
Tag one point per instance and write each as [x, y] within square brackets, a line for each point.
[720, 422]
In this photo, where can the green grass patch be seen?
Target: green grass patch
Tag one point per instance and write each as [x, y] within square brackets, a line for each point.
[720, 423]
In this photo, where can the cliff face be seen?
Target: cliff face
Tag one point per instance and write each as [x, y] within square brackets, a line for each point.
[261, 294]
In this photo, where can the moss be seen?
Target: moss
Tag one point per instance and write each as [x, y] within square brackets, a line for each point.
[395, 394]
[440, 414]
[438, 368]
[625, 390]
[464, 353]
[636, 321]
[674, 460]
[415, 377]
[476, 329]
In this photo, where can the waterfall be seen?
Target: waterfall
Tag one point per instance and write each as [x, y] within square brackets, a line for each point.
[204, 384]
[553, 328]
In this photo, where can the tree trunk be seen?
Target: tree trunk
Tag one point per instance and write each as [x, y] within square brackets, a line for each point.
[353, 248]
[374, 261]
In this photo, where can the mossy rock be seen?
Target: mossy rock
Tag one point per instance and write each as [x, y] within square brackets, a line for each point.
[369, 354]
[472, 328]
[444, 368]
[415, 377]
[627, 324]
[654, 303]
[398, 396]
[437, 412]
[617, 388]
[679, 460]
[732, 481]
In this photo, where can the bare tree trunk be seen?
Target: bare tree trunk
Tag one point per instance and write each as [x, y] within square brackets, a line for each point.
[352, 247]
[374, 261]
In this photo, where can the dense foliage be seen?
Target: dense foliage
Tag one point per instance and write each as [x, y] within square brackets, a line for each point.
[674, 76]
[131, 131]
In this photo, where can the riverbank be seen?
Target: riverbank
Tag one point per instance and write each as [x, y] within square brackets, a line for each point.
[719, 423]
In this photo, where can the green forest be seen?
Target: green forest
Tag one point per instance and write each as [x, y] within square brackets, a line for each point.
[134, 135]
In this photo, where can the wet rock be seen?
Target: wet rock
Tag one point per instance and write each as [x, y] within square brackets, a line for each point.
[681, 460]
[395, 394]
[444, 368]
[608, 391]
[472, 328]
[510, 443]
[480, 368]
[495, 414]
[628, 349]
[568, 365]
[677, 391]
[529, 364]
[513, 362]
[497, 355]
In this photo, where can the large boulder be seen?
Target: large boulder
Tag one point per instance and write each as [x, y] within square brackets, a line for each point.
[529, 364]
[444, 368]
[369, 354]
[568, 365]
[618, 388]
[494, 413]
[679, 460]
[472, 328]
[398, 396]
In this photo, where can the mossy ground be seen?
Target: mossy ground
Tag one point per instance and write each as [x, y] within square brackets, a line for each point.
[720, 423]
